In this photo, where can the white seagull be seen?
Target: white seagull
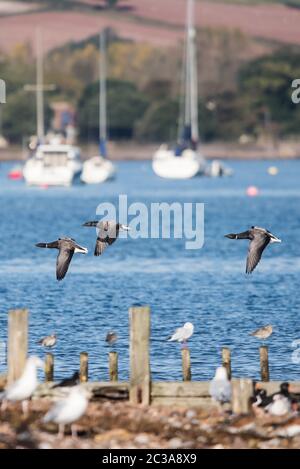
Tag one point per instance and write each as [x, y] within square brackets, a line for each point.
[220, 387]
[24, 387]
[281, 405]
[68, 410]
[182, 334]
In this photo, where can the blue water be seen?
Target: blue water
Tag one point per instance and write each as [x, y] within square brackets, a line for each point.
[207, 287]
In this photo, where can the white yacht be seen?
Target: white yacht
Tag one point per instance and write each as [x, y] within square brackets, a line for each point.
[53, 162]
[185, 160]
[99, 168]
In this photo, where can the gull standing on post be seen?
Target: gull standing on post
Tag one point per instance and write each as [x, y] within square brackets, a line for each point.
[48, 341]
[182, 334]
[259, 240]
[24, 387]
[108, 231]
[263, 332]
[111, 338]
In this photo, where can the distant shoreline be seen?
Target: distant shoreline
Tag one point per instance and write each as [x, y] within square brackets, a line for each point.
[127, 151]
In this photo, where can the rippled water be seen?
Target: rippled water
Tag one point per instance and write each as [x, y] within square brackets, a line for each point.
[207, 286]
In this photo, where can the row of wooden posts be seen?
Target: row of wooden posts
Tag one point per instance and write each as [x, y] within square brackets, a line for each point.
[18, 339]
[140, 388]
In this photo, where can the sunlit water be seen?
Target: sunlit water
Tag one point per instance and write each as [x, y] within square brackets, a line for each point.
[207, 287]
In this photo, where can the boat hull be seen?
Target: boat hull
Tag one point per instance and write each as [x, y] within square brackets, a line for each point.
[167, 165]
[53, 166]
[37, 175]
[97, 170]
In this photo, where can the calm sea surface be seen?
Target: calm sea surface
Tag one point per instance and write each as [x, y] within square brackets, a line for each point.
[207, 287]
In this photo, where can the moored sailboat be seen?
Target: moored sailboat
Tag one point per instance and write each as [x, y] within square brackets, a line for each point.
[185, 160]
[52, 163]
[99, 168]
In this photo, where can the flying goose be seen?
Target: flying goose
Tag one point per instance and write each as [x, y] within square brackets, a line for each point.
[108, 231]
[259, 240]
[67, 247]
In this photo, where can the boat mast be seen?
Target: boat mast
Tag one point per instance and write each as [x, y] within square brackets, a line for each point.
[102, 95]
[191, 78]
[39, 88]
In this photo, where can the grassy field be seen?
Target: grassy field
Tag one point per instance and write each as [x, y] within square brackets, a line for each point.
[157, 22]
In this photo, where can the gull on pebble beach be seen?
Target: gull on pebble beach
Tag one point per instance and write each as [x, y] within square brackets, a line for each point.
[68, 410]
[182, 334]
[280, 405]
[48, 341]
[220, 386]
[24, 387]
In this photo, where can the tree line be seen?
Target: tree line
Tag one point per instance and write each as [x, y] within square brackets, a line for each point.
[236, 97]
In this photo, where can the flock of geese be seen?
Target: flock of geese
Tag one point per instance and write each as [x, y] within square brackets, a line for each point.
[72, 407]
[108, 231]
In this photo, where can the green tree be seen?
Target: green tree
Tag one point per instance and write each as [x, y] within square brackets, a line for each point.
[19, 116]
[266, 85]
[159, 123]
[111, 3]
[125, 106]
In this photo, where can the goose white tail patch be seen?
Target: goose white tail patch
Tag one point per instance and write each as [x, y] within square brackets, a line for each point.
[81, 250]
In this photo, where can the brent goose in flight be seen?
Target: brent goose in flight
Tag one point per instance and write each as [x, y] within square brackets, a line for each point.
[48, 341]
[259, 240]
[107, 234]
[67, 247]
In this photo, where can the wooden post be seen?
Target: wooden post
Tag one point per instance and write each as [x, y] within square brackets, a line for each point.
[84, 367]
[186, 364]
[264, 363]
[17, 343]
[139, 319]
[242, 390]
[226, 360]
[113, 366]
[49, 367]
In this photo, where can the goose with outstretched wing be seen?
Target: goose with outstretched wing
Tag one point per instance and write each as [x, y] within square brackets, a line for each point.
[259, 240]
[67, 247]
